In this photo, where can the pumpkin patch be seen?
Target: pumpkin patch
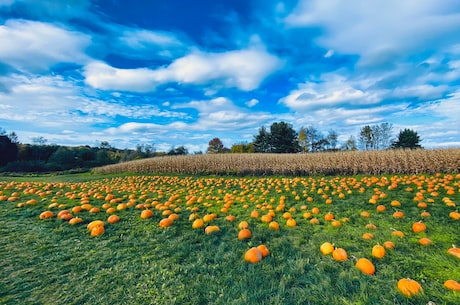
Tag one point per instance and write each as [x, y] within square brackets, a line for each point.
[246, 227]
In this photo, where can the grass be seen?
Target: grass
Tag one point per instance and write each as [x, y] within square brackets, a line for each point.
[137, 262]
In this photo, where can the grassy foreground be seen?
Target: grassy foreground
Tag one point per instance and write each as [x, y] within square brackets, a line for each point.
[135, 261]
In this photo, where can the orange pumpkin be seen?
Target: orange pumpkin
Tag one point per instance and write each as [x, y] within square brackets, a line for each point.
[97, 230]
[243, 225]
[95, 223]
[409, 287]
[389, 244]
[146, 214]
[211, 229]
[253, 255]
[264, 250]
[113, 219]
[455, 215]
[244, 234]
[378, 251]
[291, 222]
[274, 225]
[366, 266]
[198, 223]
[454, 251]
[452, 285]
[424, 241]
[326, 248]
[398, 214]
[46, 215]
[418, 227]
[165, 222]
[339, 254]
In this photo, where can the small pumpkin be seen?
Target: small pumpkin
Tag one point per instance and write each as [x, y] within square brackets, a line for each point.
[424, 241]
[211, 229]
[452, 285]
[46, 215]
[243, 225]
[389, 244]
[253, 255]
[274, 225]
[366, 266]
[95, 223]
[368, 236]
[398, 214]
[418, 227]
[264, 250]
[339, 254]
[454, 251]
[165, 222]
[113, 219]
[378, 251]
[409, 287]
[291, 222]
[455, 215]
[326, 248]
[146, 214]
[244, 234]
[97, 230]
[197, 223]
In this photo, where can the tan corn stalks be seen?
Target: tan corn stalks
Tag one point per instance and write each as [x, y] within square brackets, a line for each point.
[326, 163]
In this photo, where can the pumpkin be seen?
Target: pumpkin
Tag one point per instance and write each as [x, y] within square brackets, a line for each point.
[418, 227]
[253, 255]
[339, 254]
[46, 215]
[368, 236]
[267, 218]
[314, 221]
[398, 214]
[95, 223]
[365, 214]
[113, 219]
[198, 223]
[389, 244]
[165, 222]
[336, 223]
[378, 251]
[398, 233]
[381, 208]
[97, 230]
[264, 250]
[366, 266]
[454, 215]
[274, 225]
[230, 218]
[454, 251]
[211, 229]
[452, 285]
[329, 217]
[409, 287]
[291, 222]
[424, 241]
[243, 225]
[146, 214]
[244, 234]
[75, 220]
[326, 248]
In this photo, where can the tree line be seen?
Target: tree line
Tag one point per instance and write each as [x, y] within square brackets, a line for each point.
[280, 137]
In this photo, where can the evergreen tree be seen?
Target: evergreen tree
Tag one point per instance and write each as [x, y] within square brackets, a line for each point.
[407, 138]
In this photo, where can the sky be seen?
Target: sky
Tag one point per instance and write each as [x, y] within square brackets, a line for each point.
[181, 72]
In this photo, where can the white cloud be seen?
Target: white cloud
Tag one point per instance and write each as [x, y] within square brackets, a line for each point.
[331, 91]
[36, 45]
[372, 28]
[252, 102]
[243, 69]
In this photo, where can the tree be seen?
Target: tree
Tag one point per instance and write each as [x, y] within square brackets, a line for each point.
[407, 138]
[242, 148]
[350, 144]
[8, 150]
[283, 138]
[302, 140]
[181, 150]
[366, 138]
[215, 146]
[262, 141]
[332, 138]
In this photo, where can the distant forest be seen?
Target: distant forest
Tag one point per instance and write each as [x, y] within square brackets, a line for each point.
[279, 138]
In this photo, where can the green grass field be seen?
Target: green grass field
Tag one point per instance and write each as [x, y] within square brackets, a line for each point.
[136, 261]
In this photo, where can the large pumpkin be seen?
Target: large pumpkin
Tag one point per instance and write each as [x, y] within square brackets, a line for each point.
[378, 251]
[452, 285]
[326, 248]
[418, 227]
[409, 287]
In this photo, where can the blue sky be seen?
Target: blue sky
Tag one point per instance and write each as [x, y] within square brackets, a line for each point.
[179, 72]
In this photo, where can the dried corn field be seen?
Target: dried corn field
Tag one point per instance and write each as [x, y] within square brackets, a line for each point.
[331, 163]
